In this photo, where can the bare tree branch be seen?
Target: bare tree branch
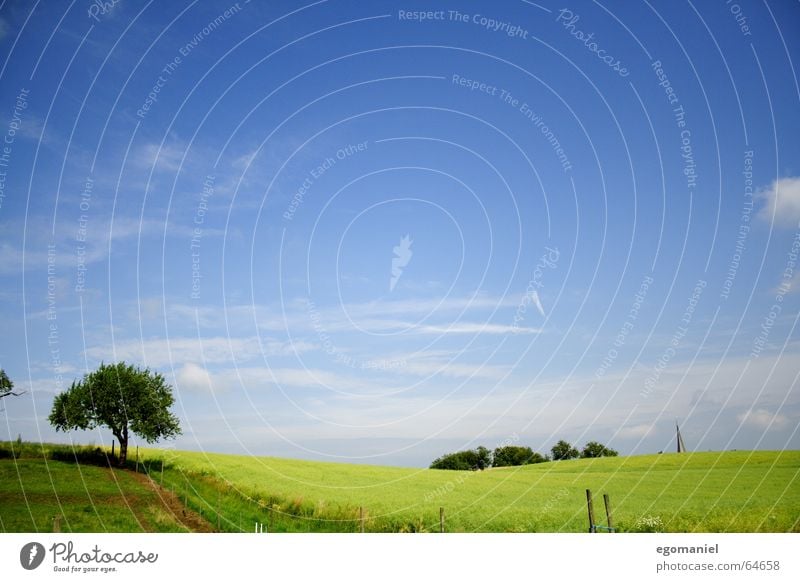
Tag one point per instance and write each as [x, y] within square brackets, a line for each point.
[12, 394]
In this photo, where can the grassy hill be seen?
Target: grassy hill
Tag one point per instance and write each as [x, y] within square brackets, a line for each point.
[52, 489]
[742, 491]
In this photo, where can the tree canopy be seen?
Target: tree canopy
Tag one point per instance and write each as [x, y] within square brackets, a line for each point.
[7, 386]
[563, 451]
[594, 449]
[512, 456]
[121, 397]
[471, 460]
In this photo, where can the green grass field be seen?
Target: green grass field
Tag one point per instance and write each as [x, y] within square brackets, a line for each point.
[694, 492]
[42, 494]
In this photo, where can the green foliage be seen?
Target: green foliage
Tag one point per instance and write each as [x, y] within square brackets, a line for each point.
[470, 460]
[121, 397]
[6, 385]
[563, 451]
[593, 449]
[512, 456]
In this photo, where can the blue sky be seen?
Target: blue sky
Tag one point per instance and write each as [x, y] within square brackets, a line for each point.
[344, 232]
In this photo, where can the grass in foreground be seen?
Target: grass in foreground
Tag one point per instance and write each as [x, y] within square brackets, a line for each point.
[40, 494]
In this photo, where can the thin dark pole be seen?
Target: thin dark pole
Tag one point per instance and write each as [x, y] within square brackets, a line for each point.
[591, 510]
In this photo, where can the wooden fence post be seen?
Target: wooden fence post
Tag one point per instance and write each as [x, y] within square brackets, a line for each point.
[219, 517]
[591, 511]
[361, 517]
[607, 502]
[441, 520]
[57, 524]
[162, 473]
[113, 442]
[137, 458]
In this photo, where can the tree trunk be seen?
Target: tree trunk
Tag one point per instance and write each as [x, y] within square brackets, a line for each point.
[123, 452]
[123, 446]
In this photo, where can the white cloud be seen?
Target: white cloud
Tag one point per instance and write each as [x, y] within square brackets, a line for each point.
[762, 419]
[193, 377]
[781, 201]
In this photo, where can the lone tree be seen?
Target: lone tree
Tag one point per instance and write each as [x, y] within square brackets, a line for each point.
[593, 449]
[563, 451]
[121, 397]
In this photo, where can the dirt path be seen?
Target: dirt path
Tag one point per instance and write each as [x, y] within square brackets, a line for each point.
[172, 504]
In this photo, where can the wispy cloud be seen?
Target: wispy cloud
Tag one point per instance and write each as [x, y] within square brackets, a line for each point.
[102, 236]
[257, 379]
[382, 316]
[453, 369]
[163, 157]
[160, 352]
[475, 328]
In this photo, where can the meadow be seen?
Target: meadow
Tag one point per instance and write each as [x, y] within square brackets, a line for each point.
[46, 489]
[692, 492]
[745, 491]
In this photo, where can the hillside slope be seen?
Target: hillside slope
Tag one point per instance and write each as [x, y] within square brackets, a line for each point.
[719, 492]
